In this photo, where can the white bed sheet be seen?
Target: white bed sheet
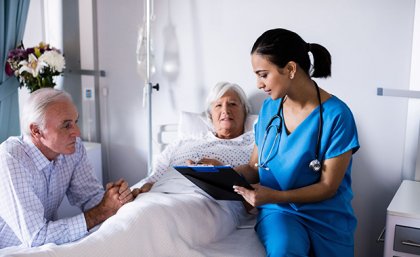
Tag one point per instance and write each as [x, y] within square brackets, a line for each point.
[184, 222]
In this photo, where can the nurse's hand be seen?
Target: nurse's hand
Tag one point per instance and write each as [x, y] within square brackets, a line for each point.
[259, 196]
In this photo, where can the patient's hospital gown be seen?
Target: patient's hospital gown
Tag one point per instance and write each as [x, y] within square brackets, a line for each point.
[232, 152]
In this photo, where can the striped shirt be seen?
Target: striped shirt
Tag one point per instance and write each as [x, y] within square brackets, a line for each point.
[32, 188]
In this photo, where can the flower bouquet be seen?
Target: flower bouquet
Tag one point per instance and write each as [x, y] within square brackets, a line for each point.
[35, 67]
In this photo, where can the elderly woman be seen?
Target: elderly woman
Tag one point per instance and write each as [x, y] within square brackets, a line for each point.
[227, 144]
[180, 215]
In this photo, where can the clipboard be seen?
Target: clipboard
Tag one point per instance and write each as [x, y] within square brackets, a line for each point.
[217, 181]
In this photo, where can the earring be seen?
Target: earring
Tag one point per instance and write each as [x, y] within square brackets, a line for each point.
[291, 76]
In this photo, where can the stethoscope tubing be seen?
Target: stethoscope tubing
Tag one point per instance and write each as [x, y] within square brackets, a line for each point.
[315, 164]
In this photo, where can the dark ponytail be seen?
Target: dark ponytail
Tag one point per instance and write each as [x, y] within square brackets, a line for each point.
[281, 46]
[322, 61]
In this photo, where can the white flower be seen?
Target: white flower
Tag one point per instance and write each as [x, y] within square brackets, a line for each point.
[54, 60]
[33, 66]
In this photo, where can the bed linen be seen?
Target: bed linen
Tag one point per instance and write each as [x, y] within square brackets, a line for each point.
[175, 218]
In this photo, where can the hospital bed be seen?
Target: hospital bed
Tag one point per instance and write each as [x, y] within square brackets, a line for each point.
[154, 223]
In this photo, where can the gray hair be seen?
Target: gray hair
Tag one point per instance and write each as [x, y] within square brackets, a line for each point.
[35, 108]
[220, 89]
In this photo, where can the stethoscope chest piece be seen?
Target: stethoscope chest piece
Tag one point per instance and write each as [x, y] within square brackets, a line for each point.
[315, 165]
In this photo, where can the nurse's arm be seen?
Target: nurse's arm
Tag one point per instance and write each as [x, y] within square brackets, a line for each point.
[250, 171]
[333, 171]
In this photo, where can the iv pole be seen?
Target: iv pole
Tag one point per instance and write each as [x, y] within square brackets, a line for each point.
[149, 89]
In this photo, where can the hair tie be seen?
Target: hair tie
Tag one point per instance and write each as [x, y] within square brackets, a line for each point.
[308, 47]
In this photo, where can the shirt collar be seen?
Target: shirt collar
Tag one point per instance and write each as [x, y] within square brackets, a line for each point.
[37, 156]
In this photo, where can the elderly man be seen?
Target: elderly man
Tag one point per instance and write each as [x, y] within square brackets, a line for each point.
[39, 167]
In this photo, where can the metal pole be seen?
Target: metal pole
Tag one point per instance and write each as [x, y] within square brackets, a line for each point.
[148, 87]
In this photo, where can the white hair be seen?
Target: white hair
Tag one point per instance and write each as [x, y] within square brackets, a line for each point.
[220, 89]
[35, 108]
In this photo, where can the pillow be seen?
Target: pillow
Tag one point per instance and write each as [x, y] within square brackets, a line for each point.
[193, 125]
[250, 121]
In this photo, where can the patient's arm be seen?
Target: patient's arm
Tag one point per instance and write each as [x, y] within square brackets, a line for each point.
[250, 171]
[248, 207]
[206, 161]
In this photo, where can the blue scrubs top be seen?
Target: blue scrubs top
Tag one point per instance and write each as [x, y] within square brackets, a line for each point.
[289, 166]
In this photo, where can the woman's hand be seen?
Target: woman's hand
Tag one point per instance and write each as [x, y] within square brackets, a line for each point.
[143, 189]
[257, 197]
[205, 161]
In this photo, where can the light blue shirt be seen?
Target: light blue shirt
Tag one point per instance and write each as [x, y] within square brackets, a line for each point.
[32, 188]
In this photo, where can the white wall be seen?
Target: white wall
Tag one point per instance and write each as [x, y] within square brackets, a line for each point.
[370, 42]
[411, 158]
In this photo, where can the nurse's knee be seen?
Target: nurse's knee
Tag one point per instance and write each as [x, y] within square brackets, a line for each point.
[283, 235]
[286, 247]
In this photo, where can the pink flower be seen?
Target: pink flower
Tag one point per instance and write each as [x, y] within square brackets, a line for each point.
[9, 71]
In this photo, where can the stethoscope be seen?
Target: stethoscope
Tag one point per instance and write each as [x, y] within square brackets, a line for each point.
[315, 164]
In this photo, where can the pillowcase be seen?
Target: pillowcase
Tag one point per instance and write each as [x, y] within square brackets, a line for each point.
[193, 125]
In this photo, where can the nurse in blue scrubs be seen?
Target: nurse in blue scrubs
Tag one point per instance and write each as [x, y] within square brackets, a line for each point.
[301, 165]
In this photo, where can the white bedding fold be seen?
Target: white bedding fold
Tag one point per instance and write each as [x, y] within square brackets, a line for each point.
[182, 223]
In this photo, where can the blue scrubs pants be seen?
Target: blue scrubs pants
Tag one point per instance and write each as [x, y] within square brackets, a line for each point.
[285, 235]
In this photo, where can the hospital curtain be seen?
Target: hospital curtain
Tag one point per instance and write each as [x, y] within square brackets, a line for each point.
[13, 14]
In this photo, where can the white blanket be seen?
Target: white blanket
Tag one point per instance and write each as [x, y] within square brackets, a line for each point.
[185, 222]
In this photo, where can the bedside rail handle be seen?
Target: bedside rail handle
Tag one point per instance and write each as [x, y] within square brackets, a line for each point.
[410, 243]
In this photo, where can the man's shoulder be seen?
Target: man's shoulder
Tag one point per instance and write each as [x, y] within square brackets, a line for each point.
[15, 151]
[12, 146]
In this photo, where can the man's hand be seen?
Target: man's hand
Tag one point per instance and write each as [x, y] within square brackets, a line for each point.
[116, 195]
[124, 191]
